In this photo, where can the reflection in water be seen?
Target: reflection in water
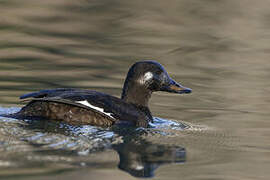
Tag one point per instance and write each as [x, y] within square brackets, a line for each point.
[141, 158]
[138, 156]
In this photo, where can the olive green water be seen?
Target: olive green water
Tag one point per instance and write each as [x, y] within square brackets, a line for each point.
[219, 48]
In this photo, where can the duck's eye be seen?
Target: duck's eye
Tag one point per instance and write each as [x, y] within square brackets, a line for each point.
[164, 78]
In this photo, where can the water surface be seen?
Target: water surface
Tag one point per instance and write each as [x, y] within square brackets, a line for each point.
[219, 48]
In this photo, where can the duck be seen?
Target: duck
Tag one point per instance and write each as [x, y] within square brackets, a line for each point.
[89, 107]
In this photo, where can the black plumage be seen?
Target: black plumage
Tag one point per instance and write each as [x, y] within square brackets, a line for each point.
[77, 106]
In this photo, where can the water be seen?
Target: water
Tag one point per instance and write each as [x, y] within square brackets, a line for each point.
[219, 48]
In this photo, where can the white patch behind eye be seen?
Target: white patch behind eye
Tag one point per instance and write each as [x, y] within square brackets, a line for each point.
[147, 76]
[86, 103]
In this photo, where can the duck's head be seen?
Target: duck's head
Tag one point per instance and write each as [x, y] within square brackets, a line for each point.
[145, 77]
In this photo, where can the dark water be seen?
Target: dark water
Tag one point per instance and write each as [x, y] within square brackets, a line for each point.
[218, 48]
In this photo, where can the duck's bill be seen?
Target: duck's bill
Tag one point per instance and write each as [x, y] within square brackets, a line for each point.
[174, 87]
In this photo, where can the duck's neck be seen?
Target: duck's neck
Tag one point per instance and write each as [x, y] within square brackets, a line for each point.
[135, 94]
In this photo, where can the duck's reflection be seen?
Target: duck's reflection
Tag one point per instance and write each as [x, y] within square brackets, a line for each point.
[138, 155]
[141, 158]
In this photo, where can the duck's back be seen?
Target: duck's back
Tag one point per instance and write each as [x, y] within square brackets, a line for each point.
[82, 107]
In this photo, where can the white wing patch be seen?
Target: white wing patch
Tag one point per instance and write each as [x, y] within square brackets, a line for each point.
[86, 103]
[147, 76]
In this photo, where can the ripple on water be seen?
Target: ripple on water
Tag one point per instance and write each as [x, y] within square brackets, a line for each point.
[61, 135]
[45, 141]
[198, 140]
